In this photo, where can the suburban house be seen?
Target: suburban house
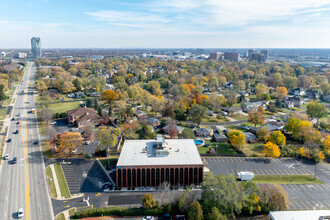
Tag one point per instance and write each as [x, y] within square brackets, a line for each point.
[76, 95]
[280, 124]
[251, 106]
[270, 127]
[250, 137]
[81, 116]
[203, 132]
[297, 91]
[219, 137]
[140, 114]
[296, 100]
[232, 110]
[95, 94]
[152, 121]
[313, 94]
[167, 129]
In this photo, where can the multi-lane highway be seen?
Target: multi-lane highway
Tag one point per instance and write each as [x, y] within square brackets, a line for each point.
[23, 185]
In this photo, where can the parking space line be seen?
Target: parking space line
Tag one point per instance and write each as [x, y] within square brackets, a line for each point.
[273, 173]
[285, 186]
[310, 204]
[287, 173]
[317, 205]
[293, 187]
[218, 159]
[228, 171]
[327, 203]
[323, 206]
[298, 205]
[276, 172]
[302, 187]
[232, 171]
[304, 204]
[292, 206]
[256, 172]
[319, 187]
[262, 172]
[295, 171]
[240, 159]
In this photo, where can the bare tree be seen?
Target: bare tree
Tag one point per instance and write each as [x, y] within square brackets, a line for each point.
[172, 129]
[50, 132]
[164, 194]
[47, 115]
[89, 131]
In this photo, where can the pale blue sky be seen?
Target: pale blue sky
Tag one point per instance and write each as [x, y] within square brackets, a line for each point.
[166, 23]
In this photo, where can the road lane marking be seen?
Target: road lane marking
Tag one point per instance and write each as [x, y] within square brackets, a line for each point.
[27, 187]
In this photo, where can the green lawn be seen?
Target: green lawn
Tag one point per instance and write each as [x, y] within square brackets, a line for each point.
[223, 148]
[214, 119]
[63, 107]
[51, 184]
[238, 117]
[230, 127]
[60, 216]
[72, 211]
[56, 100]
[61, 181]
[287, 179]
[254, 149]
[3, 112]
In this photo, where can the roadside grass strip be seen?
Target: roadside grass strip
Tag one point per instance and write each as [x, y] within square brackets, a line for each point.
[51, 184]
[287, 179]
[61, 181]
[60, 216]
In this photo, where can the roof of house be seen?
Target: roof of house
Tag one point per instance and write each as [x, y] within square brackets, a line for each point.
[81, 111]
[140, 153]
[203, 131]
[249, 136]
[179, 128]
[89, 117]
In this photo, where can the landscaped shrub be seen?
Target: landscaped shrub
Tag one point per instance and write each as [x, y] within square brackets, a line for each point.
[117, 211]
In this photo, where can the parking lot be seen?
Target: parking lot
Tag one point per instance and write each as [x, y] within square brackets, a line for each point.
[259, 166]
[84, 176]
[302, 196]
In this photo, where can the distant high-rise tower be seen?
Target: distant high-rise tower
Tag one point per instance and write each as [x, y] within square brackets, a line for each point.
[36, 47]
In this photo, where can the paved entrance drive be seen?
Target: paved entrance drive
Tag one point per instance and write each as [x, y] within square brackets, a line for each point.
[302, 196]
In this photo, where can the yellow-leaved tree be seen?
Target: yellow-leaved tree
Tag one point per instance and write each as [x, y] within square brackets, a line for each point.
[271, 150]
[326, 144]
[237, 139]
[278, 138]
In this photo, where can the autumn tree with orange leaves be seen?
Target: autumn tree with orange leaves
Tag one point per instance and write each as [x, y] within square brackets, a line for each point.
[109, 96]
[281, 92]
[68, 142]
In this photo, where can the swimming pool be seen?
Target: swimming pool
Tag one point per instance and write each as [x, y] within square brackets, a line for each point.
[198, 142]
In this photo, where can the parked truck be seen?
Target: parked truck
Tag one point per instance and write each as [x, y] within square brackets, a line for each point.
[245, 176]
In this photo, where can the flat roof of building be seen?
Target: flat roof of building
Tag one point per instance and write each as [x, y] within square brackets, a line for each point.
[297, 215]
[142, 153]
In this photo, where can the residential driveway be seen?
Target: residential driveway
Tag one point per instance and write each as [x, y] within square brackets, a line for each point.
[302, 196]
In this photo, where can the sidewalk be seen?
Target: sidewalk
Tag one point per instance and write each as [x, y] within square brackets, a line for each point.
[57, 187]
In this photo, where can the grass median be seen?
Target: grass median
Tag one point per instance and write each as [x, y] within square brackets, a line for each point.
[51, 184]
[61, 181]
[287, 179]
[60, 216]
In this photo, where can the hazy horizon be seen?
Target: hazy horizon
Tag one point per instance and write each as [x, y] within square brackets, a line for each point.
[166, 24]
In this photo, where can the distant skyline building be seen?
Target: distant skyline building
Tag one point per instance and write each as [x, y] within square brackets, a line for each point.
[215, 56]
[255, 55]
[232, 56]
[36, 47]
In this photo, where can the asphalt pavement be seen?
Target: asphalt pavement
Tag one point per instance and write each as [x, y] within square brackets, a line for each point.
[302, 196]
[23, 185]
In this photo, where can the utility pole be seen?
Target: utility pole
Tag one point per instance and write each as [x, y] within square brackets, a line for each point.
[315, 171]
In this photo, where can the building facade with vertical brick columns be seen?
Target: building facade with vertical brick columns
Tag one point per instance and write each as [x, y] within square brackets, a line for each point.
[149, 163]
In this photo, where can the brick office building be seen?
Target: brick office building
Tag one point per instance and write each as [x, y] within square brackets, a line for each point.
[151, 162]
